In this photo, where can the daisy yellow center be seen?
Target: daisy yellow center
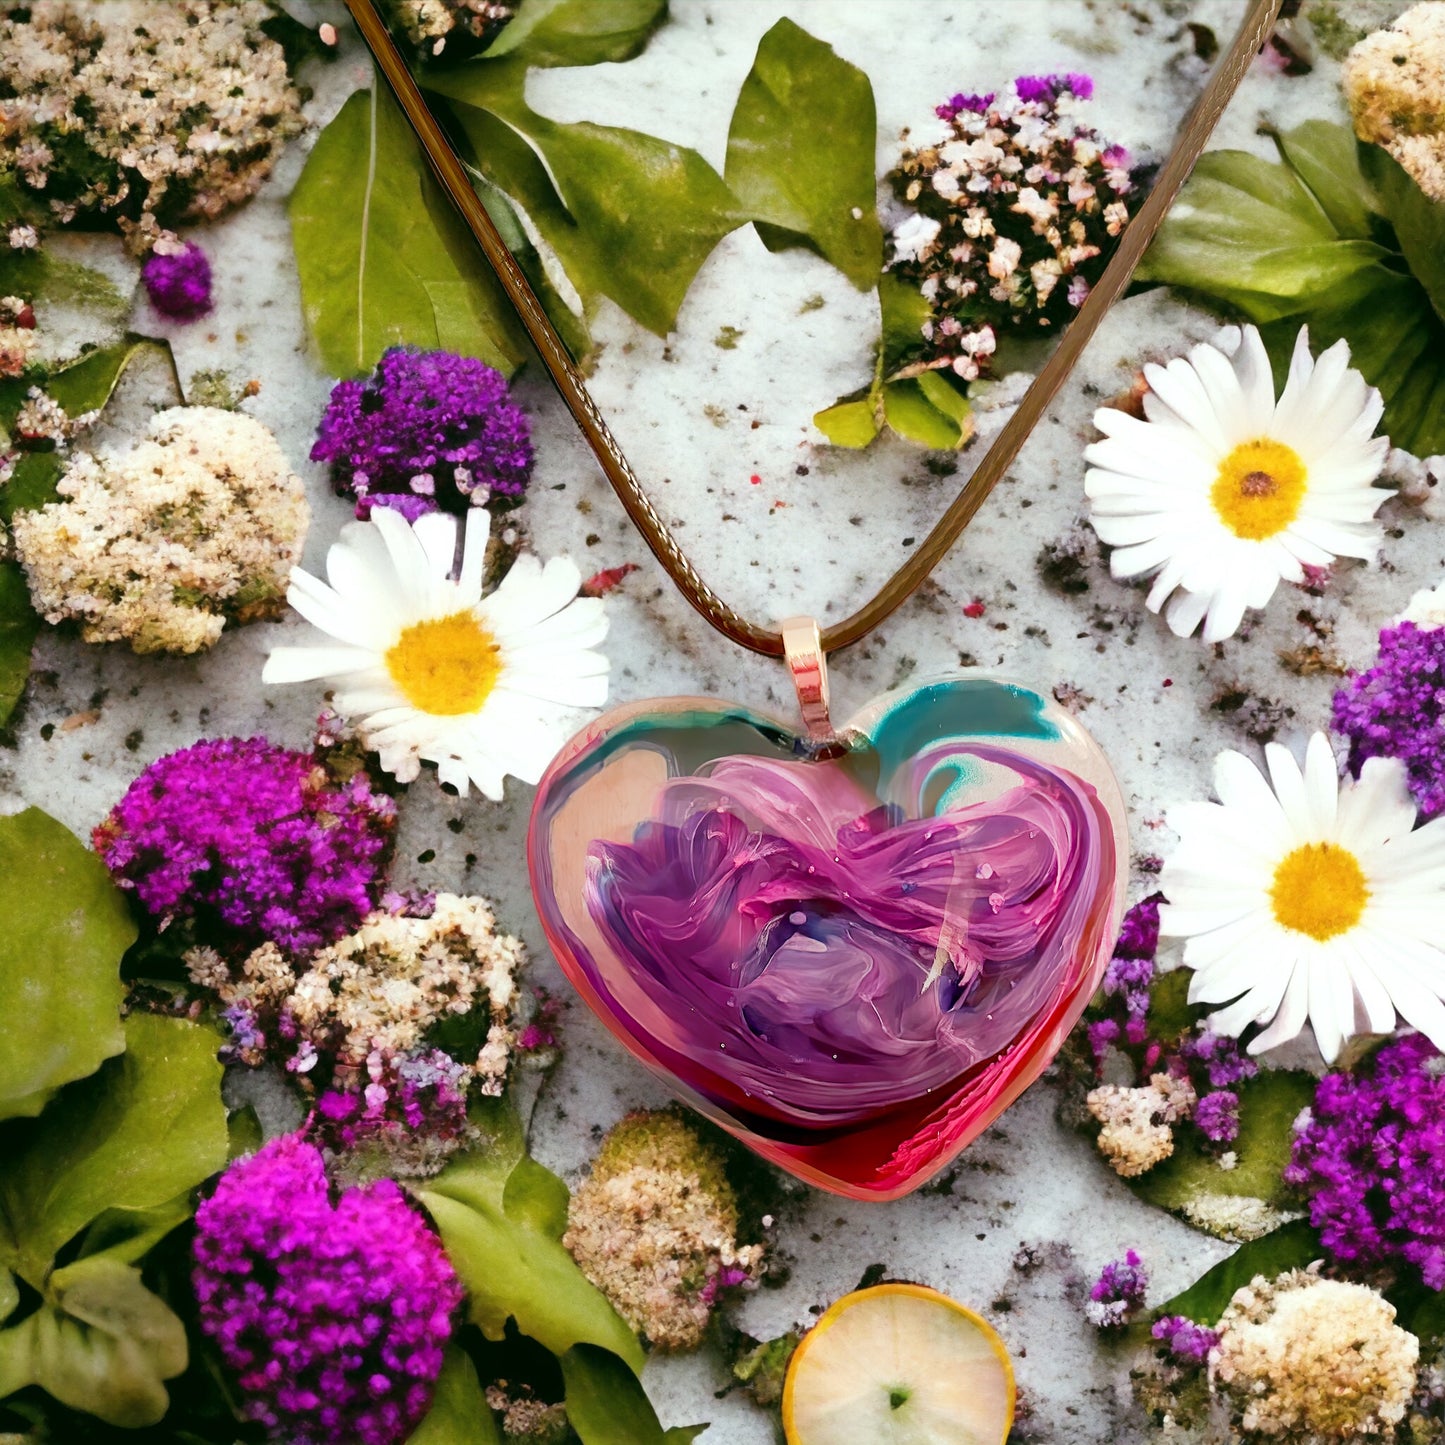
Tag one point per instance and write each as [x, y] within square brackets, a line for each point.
[1319, 889]
[446, 666]
[1258, 491]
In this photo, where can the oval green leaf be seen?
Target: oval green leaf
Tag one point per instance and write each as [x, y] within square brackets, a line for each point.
[66, 928]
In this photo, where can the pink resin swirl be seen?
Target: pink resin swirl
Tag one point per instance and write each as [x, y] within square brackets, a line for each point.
[812, 958]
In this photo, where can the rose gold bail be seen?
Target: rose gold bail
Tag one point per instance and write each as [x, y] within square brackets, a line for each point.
[803, 652]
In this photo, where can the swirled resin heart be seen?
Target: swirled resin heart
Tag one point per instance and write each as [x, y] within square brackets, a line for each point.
[854, 956]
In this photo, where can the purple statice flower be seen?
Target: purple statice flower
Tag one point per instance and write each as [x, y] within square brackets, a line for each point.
[426, 424]
[397, 1098]
[1139, 933]
[1220, 1057]
[1131, 979]
[1118, 1293]
[1370, 1154]
[178, 281]
[1396, 709]
[1188, 1342]
[332, 1314]
[409, 505]
[958, 104]
[1217, 1116]
[249, 843]
[1046, 89]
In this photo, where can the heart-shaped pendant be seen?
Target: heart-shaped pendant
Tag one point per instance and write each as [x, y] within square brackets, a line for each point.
[852, 954]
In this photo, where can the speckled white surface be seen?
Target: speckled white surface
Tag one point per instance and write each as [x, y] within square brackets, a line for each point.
[816, 532]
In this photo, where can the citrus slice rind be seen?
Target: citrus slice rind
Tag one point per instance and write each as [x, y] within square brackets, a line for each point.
[899, 1364]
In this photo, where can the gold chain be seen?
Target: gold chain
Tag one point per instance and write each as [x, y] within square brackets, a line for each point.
[1254, 31]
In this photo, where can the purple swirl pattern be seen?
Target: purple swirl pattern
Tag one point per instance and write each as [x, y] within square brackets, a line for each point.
[815, 956]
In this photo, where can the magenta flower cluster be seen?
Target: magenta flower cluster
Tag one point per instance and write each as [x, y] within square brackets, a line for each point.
[1212, 1063]
[333, 1315]
[248, 843]
[426, 430]
[1186, 1341]
[178, 282]
[1118, 1294]
[1371, 1158]
[1396, 709]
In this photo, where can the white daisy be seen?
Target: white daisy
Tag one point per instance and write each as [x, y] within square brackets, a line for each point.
[1309, 900]
[1223, 492]
[480, 686]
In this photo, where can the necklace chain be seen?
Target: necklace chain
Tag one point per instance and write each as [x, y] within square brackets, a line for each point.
[1254, 31]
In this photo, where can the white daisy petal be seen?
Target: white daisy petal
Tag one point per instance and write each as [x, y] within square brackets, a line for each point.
[1306, 900]
[1223, 493]
[481, 687]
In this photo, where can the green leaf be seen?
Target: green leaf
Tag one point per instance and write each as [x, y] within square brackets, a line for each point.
[9, 1295]
[66, 927]
[1322, 154]
[1170, 1011]
[849, 423]
[128, 1235]
[902, 311]
[149, 1126]
[502, 1242]
[910, 413]
[606, 1404]
[1253, 236]
[459, 1413]
[41, 276]
[88, 384]
[102, 1342]
[943, 396]
[579, 32]
[801, 152]
[1268, 1106]
[1419, 222]
[383, 258]
[630, 217]
[31, 484]
[1291, 1246]
[19, 625]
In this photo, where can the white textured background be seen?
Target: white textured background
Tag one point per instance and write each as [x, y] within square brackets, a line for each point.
[817, 534]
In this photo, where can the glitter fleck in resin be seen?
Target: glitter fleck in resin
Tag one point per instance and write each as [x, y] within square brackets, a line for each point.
[853, 958]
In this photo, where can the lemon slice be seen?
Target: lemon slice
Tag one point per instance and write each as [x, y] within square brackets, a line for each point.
[899, 1365]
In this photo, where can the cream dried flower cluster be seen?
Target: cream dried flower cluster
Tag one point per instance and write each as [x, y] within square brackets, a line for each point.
[431, 23]
[18, 338]
[197, 526]
[143, 109]
[655, 1228]
[1394, 82]
[1137, 1132]
[382, 989]
[1304, 1359]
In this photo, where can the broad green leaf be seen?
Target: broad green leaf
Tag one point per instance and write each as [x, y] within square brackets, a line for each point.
[910, 413]
[902, 311]
[128, 1235]
[459, 1413]
[536, 1198]
[87, 384]
[579, 32]
[1251, 235]
[849, 423]
[631, 217]
[102, 1342]
[1170, 1011]
[31, 484]
[41, 276]
[149, 1126]
[383, 258]
[66, 927]
[1291, 1246]
[18, 627]
[801, 152]
[9, 1295]
[510, 1259]
[1322, 155]
[1419, 222]
[945, 397]
[606, 1404]
[1268, 1107]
